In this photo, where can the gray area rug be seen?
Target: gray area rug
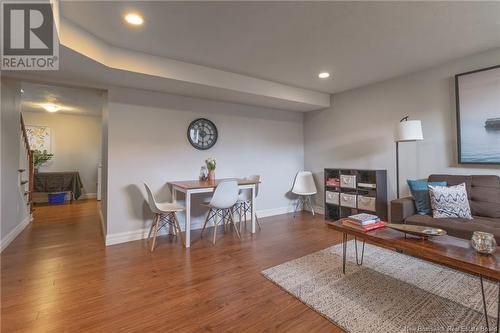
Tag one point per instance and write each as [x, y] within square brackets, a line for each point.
[391, 292]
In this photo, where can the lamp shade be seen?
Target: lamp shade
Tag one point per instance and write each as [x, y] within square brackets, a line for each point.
[410, 130]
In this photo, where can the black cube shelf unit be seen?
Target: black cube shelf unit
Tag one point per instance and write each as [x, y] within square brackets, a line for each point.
[353, 191]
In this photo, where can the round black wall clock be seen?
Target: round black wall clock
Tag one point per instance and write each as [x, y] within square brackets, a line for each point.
[202, 134]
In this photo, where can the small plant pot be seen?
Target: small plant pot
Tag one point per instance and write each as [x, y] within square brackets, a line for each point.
[211, 176]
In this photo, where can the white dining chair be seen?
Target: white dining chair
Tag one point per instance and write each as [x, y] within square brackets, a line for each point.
[221, 205]
[164, 214]
[244, 203]
[304, 187]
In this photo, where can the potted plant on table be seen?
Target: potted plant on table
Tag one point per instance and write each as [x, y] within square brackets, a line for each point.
[211, 164]
[40, 158]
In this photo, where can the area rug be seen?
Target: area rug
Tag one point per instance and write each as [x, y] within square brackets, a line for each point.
[391, 292]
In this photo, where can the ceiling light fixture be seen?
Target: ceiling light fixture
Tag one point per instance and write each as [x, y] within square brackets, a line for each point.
[134, 19]
[324, 75]
[51, 107]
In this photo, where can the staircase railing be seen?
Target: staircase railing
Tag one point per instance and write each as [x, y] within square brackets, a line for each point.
[28, 169]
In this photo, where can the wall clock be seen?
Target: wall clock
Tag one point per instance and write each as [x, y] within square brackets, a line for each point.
[202, 134]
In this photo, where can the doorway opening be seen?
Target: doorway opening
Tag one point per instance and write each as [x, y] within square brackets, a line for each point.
[62, 127]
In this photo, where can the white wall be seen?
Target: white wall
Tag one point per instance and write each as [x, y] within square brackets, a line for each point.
[76, 144]
[147, 141]
[14, 212]
[358, 130]
[104, 164]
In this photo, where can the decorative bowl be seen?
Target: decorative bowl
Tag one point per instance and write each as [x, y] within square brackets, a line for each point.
[417, 230]
[483, 242]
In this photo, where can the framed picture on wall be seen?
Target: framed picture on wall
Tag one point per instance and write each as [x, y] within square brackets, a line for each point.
[39, 137]
[478, 116]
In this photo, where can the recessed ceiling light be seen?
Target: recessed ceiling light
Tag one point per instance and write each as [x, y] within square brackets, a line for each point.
[324, 75]
[51, 107]
[134, 19]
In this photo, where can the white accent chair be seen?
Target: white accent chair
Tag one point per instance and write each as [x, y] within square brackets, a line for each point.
[165, 214]
[304, 187]
[221, 205]
[244, 203]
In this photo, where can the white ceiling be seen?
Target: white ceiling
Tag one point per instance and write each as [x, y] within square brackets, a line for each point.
[77, 101]
[291, 42]
[76, 68]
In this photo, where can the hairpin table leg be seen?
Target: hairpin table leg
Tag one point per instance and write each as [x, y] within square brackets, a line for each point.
[344, 251]
[498, 307]
[484, 305]
[359, 263]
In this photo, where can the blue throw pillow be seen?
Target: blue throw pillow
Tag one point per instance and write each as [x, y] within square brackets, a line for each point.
[420, 191]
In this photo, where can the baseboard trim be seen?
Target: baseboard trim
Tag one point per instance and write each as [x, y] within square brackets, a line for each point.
[274, 211]
[88, 196]
[5, 242]
[129, 236]
[317, 209]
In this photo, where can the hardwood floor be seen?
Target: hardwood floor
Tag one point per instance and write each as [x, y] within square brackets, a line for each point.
[57, 276]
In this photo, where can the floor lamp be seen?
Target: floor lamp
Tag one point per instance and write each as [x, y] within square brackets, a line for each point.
[408, 130]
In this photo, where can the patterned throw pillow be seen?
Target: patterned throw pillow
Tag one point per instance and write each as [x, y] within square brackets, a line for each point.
[450, 201]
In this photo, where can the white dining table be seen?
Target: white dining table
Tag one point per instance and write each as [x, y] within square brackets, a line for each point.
[190, 187]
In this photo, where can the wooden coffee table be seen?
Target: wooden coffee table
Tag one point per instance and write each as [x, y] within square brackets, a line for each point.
[448, 251]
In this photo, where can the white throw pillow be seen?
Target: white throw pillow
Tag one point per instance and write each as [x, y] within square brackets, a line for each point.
[450, 201]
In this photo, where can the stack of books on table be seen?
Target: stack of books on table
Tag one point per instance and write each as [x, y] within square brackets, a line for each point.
[364, 222]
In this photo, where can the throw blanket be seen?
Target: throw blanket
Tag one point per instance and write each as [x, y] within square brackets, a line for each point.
[59, 182]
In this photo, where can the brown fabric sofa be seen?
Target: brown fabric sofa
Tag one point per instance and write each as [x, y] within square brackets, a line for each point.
[484, 198]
